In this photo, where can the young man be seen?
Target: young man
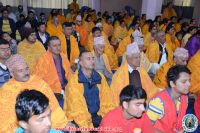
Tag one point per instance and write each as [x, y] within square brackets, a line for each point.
[33, 113]
[5, 53]
[130, 116]
[12, 42]
[42, 35]
[87, 96]
[167, 109]
[7, 24]
[69, 44]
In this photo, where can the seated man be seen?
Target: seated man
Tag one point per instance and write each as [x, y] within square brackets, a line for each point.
[131, 73]
[81, 30]
[22, 80]
[69, 45]
[159, 52]
[194, 65]
[101, 61]
[137, 39]
[109, 50]
[7, 24]
[33, 113]
[130, 116]
[30, 48]
[167, 109]
[74, 6]
[42, 35]
[123, 44]
[197, 111]
[11, 41]
[54, 68]
[5, 53]
[54, 27]
[87, 97]
[180, 58]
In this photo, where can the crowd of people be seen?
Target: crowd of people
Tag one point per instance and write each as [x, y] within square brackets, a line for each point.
[96, 71]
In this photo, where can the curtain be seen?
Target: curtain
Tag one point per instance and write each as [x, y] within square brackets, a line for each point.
[11, 2]
[55, 3]
[181, 2]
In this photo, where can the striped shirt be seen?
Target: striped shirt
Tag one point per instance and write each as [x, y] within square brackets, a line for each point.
[6, 26]
[4, 74]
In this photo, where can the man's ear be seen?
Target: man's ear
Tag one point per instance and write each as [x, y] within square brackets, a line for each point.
[125, 105]
[11, 74]
[23, 124]
[172, 84]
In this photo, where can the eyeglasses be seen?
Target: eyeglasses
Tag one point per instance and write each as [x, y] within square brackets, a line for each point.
[5, 49]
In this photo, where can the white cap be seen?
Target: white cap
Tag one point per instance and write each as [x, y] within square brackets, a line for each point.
[98, 25]
[132, 49]
[79, 18]
[181, 52]
[99, 40]
[137, 33]
[139, 40]
[27, 25]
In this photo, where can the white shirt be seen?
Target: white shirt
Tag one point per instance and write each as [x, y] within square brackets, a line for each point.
[3, 66]
[164, 55]
[130, 69]
[43, 38]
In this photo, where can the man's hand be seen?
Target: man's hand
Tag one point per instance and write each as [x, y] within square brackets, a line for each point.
[70, 124]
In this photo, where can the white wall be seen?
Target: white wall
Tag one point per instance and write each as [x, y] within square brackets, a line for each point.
[118, 5]
[196, 13]
[151, 8]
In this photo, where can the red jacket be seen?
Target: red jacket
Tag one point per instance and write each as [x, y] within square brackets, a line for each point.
[171, 121]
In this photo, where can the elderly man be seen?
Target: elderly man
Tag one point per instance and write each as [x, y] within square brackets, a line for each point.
[22, 80]
[87, 97]
[30, 48]
[159, 51]
[109, 50]
[5, 53]
[101, 61]
[180, 58]
[132, 73]
[137, 39]
[54, 68]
